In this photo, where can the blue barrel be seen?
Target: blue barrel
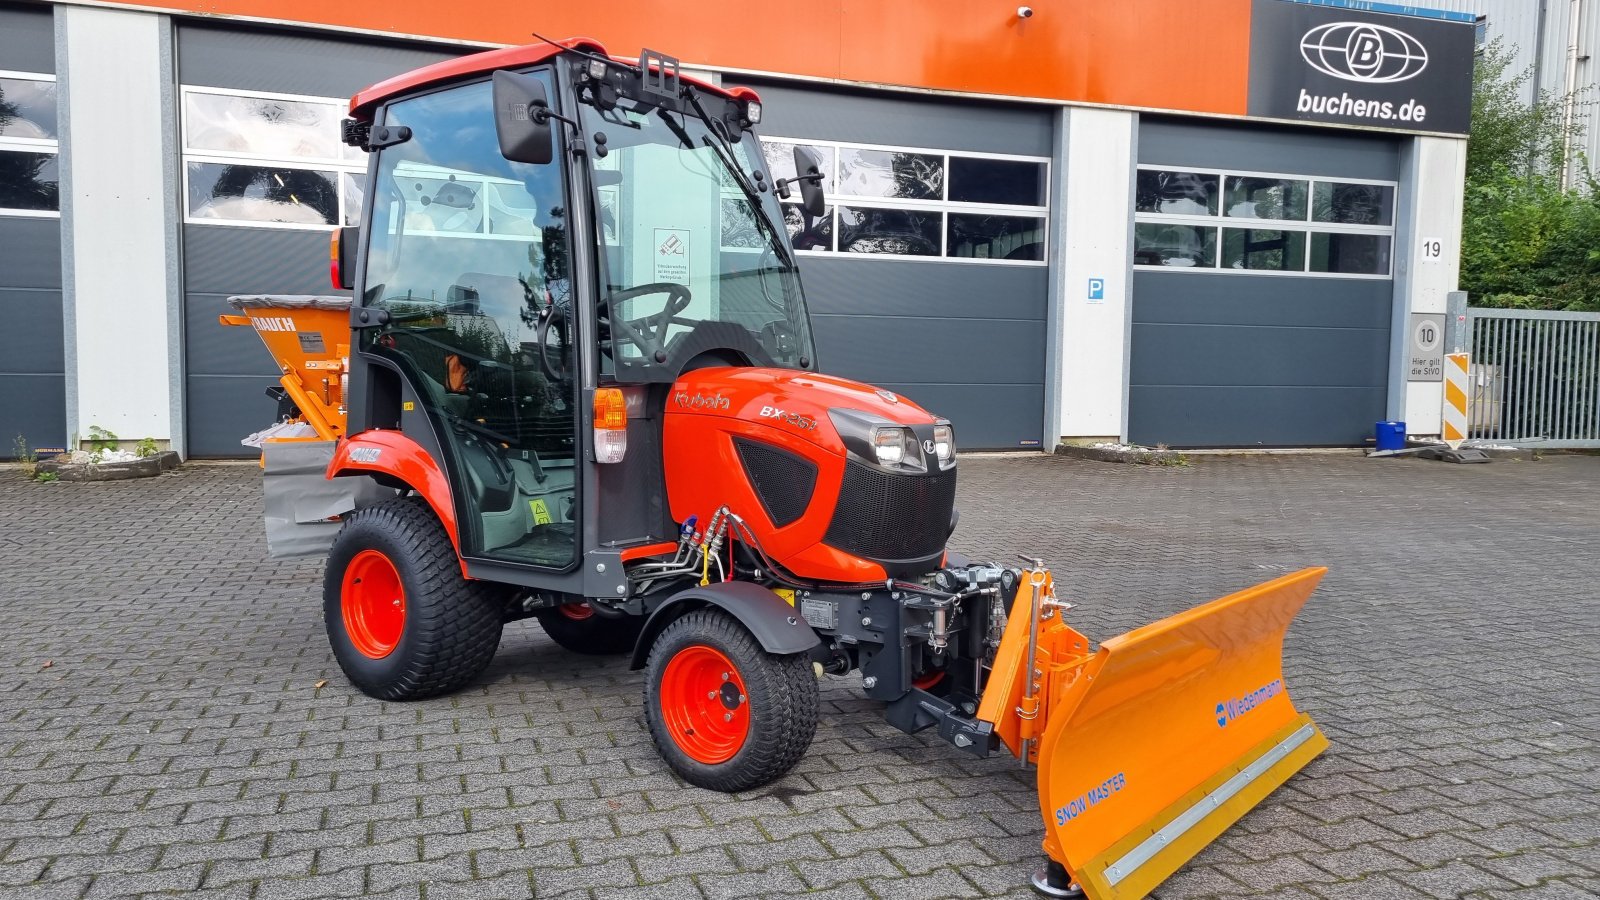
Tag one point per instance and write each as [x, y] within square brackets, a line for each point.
[1391, 435]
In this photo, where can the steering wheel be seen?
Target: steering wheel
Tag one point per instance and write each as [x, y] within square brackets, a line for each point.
[548, 317]
[649, 333]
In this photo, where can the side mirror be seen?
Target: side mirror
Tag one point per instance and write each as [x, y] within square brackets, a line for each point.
[522, 118]
[808, 169]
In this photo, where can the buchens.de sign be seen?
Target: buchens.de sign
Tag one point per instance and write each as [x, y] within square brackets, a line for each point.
[1326, 64]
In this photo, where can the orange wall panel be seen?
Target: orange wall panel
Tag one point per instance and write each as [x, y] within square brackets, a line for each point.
[1162, 54]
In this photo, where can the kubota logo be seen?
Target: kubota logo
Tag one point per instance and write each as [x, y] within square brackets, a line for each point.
[1360, 51]
[1228, 710]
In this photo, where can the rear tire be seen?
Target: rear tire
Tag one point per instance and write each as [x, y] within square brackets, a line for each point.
[402, 621]
[577, 627]
[724, 713]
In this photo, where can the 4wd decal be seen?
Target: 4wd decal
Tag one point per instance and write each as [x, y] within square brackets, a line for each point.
[365, 454]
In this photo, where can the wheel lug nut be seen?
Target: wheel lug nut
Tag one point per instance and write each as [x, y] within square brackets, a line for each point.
[727, 717]
[741, 698]
[711, 695]
[724, 676]
[397, 602]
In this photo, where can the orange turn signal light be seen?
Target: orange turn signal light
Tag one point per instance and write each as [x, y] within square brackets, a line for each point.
[610, 409]
[610, 425]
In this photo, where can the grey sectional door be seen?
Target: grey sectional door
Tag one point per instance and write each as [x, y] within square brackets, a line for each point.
[1223, 356]
[230, 178]
[963, 338]
[32, 357]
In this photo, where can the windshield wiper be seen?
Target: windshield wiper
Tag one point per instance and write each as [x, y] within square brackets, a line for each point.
[724, 150]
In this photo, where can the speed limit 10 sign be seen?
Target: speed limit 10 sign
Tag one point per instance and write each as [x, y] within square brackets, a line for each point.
[1426, 357]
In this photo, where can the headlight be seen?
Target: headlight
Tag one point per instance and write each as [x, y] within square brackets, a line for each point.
[944, 443]
[890, 445]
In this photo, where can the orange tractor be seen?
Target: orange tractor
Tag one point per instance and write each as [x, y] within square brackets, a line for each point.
[578, 383]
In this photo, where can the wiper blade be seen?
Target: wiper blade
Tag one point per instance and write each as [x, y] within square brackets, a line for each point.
[724, 149]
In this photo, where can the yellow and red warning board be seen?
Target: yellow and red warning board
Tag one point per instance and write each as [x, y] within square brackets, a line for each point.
[1457, 367]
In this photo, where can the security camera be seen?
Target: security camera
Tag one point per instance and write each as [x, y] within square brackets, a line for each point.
[1024, 12]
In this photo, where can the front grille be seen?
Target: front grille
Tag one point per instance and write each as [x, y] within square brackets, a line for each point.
[783, 481]
[888, 517]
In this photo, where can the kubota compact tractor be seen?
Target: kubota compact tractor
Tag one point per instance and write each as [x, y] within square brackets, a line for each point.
[579, 384]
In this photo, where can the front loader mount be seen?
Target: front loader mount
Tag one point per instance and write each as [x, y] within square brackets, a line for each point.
[1152, 745]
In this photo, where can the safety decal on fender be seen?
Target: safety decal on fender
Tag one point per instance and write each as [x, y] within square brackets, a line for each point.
[1092, 797]
[1228, 710]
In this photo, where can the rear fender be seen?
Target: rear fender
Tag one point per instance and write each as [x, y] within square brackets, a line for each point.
[392, 454]
[769, 618]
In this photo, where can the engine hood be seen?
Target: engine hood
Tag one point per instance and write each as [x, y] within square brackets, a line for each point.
[789, 400]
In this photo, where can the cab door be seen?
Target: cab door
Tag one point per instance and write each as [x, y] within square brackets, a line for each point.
[468, 255]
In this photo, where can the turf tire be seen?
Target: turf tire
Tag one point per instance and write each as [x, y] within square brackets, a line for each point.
[783, 698]
[452, 625]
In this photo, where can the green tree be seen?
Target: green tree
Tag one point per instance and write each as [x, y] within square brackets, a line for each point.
[1527, 240]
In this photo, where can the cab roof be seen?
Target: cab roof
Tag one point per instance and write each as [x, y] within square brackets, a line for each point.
[461, 68]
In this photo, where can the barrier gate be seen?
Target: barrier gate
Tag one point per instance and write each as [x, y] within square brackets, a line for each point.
[1535, 378]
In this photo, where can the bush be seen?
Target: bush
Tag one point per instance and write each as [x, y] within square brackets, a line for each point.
[1528, 241]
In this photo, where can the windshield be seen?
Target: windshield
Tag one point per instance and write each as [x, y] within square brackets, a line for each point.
[689, 259]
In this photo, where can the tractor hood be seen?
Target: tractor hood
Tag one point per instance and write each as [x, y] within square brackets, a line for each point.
[828, 411]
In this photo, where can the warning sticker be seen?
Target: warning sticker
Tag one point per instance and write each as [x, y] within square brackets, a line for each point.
[541, 512]
[311, 342]
[672, 255]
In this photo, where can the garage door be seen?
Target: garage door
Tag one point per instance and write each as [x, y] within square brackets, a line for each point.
[32, 359]
[1262, 286]
[265, 180]
[927, 276]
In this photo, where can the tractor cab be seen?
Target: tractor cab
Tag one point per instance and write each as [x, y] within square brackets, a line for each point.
[536, 233]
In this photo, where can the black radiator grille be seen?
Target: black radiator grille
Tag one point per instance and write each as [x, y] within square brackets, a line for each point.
[886, 517]
[783, 481]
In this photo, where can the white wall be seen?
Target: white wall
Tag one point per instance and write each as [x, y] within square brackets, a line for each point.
[118, 232]
[1088, 345]
[1431, 174]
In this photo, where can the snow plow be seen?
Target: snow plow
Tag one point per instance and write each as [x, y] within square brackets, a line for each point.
[581, 387]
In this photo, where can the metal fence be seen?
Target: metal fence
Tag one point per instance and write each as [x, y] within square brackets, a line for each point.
[1535, 378]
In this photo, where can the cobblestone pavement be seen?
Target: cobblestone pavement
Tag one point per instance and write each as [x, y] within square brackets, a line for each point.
[162, 730]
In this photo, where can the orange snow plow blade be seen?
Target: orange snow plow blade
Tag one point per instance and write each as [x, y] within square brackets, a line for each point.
[1151, 746]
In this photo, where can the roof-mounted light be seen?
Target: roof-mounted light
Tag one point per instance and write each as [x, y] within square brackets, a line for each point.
[597, 69]
[752, 112]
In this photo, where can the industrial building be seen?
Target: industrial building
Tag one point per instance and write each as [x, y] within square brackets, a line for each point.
[1106, 219]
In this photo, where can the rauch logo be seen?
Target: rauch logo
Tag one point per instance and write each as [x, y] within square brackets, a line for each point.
[1228, 710]
[1358, 51]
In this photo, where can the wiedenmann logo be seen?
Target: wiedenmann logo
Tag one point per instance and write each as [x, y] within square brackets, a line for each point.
[1228, 710]
[1361, 51]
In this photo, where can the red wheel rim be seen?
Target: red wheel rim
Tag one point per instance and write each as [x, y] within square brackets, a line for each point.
[374, 604]
[704, 704]
[577, 612]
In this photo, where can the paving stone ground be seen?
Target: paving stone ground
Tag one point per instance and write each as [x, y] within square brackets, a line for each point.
[162, 732]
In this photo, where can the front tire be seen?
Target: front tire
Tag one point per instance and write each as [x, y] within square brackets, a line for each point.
[402, 621]
[577, 627]
[725, 714]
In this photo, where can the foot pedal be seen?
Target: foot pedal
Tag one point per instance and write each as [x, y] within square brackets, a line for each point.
[1463, 455]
